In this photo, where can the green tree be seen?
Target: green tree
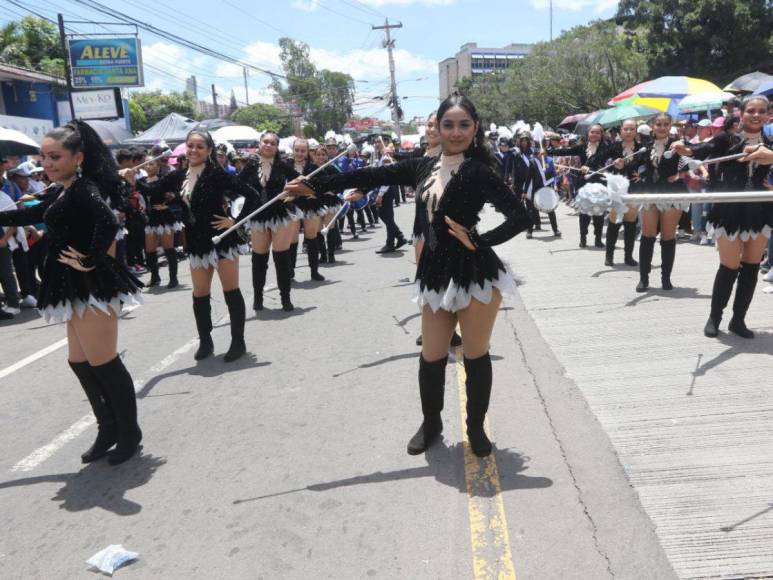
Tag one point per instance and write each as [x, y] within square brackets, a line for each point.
[713, 39]
[264, 117]
[32, 43]
[157, 105]
[325, 98]
[137, 117]
[577, 72]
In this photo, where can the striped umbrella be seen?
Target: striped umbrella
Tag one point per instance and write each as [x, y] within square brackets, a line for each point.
[704, 101]
[666, 87]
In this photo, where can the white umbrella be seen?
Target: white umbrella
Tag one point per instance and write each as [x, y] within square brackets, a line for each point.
[239, 133]
[707, 101]
[13, 142]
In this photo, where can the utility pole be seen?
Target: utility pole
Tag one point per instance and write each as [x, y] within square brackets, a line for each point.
[389, 44]
[214, 102]
[67, 71]
[246, 92]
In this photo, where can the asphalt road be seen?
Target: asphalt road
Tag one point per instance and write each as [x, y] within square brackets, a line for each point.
[291, 463]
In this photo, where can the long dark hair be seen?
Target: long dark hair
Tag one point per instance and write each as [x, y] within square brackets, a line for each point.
[478, 149]
[209, 142]
[98, 164]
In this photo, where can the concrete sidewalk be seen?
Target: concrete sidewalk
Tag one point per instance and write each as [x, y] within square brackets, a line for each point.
[690, 418]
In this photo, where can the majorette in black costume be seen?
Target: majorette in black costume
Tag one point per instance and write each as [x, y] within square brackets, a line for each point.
[78, 217]
[660, 173]
[313, 208]
[269, 176]
[162, 226]
[83, 284]
[207, 191]
[457, 264]
[593, 155]
[736, 227]
[632, 158]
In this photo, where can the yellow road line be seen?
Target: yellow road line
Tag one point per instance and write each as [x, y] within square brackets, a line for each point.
[491, 554]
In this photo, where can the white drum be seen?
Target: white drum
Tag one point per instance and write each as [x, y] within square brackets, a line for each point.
[546, 199]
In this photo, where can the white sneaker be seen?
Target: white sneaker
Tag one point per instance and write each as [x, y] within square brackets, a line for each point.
[769, 276]
[704, 240]
[29, 302]
[11, 310]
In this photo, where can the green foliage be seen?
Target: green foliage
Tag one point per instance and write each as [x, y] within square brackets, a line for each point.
[577, 72]
[32, 43]
[263, 117]
[157, 105]
[325, 98]
[137, 117]
[713, 39]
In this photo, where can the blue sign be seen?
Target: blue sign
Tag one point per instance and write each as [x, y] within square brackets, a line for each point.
[105, 62]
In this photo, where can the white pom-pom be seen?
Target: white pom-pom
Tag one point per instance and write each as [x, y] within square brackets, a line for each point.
[593, 199]
[330, 134]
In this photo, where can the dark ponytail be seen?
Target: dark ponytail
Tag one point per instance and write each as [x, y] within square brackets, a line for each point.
[98, 163]
[478, 149]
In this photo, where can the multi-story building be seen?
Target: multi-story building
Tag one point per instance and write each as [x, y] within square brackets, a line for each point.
[471, 61]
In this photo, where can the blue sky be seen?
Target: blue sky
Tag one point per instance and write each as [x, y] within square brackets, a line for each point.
[338, 32]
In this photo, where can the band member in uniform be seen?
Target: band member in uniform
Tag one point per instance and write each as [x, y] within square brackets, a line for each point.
[627, 163]
[83, 284]
[274, 227]
[660, 174]
[593, 155]
[459, 277]
[741, 230]
[206, 190]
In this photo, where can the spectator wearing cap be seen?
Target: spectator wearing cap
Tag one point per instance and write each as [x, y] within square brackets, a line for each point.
[645, 133]
[504, 155]
[222, 158]
[36, 179]
[703, 133]
[18, 244]
[7, 277]
[716, 126]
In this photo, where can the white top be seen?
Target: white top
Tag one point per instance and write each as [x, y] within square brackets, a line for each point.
[444, 170]
[433, 151]
[191, 177]
[265, 170]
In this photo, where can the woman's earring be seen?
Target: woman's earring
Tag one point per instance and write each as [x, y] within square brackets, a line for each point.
[79, 171]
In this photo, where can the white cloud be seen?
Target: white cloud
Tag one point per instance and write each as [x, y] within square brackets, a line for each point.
[360, 64]
[576, 5]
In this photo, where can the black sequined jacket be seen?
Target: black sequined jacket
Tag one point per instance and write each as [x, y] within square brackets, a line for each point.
[731, 175]
[79, 218]
[472, 186]
[210, 197]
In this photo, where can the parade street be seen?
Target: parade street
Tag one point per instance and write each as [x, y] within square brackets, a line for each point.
[627, 445]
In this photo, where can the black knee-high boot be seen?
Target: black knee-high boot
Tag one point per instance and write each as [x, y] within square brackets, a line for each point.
[283, 265]
[313, 255]
[598, 230]
[171, 260]
[667, 257]
[478, 387]
[118, 387]
[584, 223]
[744, 292]
[203, 314]
[646, 248]
[107, 428]
[432, 380]
[613, 231]
[237, 313]
[629, 239]
[151, 258]
[720, 296]
[332, 242]
[322, 249]
[293, 259]
[259, 267]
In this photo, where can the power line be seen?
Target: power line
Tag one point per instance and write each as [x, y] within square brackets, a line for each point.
[175, 38]
[342, 14]
[365, 7]
[253, 17]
